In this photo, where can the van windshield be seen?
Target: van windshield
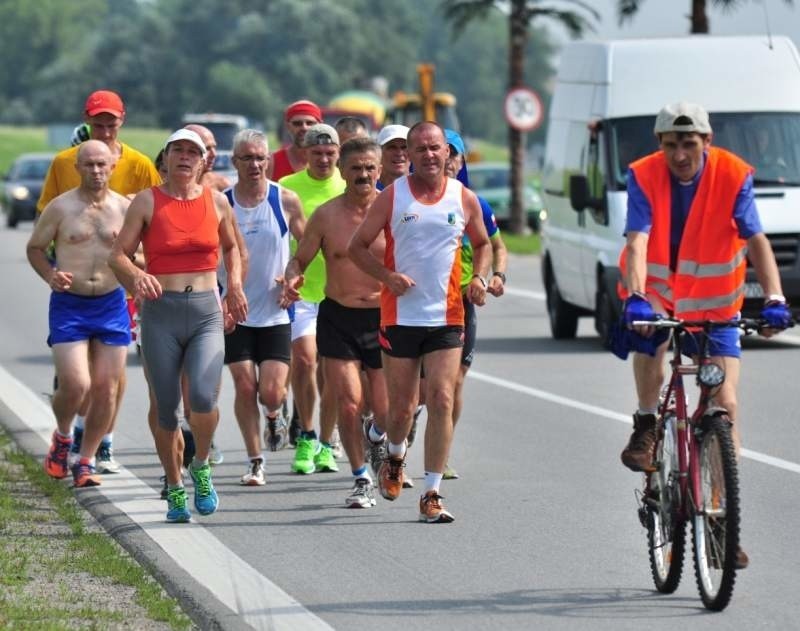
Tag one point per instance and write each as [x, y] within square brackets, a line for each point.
[770, 141]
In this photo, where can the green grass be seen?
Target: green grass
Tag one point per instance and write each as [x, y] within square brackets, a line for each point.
[17, 140]
[522, 244]
[81, 551]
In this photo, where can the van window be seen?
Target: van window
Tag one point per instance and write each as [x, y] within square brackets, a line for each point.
[770, 141]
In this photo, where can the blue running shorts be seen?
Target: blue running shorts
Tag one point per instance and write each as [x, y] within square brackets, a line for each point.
[75, 318]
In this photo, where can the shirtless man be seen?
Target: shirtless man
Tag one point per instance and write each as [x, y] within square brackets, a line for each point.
[349, 315]
[89, 325]
[217, 181]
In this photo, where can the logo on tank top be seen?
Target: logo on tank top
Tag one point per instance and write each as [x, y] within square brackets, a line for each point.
[409, 218]
[451, 219]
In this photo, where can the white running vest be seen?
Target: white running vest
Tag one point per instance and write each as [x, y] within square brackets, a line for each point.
[423, 241]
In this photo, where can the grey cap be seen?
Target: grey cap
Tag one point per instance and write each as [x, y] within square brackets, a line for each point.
[682, 117]
[320, 134]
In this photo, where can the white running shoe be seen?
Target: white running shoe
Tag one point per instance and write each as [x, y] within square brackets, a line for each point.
[255, 474]
[104, 459]
[362, 495]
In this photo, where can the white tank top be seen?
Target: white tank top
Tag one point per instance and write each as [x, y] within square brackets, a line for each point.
[268, 255]
[423, 241]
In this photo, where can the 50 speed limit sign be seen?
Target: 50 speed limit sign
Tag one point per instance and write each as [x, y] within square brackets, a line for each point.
[523, 109]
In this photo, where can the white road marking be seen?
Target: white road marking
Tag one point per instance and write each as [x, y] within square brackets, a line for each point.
[237, 584]
[779, 463]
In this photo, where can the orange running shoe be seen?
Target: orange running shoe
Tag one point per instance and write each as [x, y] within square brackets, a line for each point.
[390, 477]
[55, 462]
[83, 474]
[431, 509]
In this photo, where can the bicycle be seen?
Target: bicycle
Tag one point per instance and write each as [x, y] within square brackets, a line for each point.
[694, 477]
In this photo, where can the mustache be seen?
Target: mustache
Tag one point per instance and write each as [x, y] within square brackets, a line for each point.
[362, 180]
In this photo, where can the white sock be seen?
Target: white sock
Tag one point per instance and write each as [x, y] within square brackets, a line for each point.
[107, 438]
[398, 451]
[432, 482]
[374, 435]
[79, 421]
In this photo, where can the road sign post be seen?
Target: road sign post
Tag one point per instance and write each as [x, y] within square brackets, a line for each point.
[523, 109]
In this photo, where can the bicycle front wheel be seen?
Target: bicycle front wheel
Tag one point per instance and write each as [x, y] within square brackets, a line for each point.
[666, 530]
[716, 517]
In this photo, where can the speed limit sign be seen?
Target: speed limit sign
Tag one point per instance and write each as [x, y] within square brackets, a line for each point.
[523, 109]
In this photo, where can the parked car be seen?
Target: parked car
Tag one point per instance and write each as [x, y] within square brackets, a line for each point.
[22, 185]
[492, 181]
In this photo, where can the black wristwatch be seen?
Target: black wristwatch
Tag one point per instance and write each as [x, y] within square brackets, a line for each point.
[480, 278]
[501, 275]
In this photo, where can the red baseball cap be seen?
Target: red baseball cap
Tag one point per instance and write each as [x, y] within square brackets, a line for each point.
[104, 101]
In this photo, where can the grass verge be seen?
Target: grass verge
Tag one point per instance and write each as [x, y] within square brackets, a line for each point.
[49, 549]
[522, 243]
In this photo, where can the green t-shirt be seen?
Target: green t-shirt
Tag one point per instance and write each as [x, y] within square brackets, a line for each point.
[313, 193]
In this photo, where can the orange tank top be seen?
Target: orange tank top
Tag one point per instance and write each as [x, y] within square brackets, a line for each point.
[183, 235]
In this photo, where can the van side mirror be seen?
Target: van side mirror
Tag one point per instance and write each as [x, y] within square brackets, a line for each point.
[579, 195]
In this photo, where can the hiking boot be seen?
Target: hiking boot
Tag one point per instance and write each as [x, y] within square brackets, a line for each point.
[638, 454]
[336, 444]
[742, 560]
[449, 473]
[255, 474]
[105, 459]
[276, 433]
[431, 509]
[75, 450]
[375, 451]
[304, 456]
[362, 495]
[176, 506]
[83, 474]
[324, 460]
[390, 477]
[205, 497]
[55, 462]
[413, 433]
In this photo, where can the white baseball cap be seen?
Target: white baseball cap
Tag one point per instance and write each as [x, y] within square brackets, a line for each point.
[392, 132]
[187, 134]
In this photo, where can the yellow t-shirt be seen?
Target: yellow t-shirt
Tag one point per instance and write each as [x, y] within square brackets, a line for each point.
[133, 172]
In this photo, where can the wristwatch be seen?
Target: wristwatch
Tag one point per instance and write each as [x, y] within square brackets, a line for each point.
[480, 278]
[500, 275]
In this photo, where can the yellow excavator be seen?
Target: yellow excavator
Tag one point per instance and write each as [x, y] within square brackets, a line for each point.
[407, 108]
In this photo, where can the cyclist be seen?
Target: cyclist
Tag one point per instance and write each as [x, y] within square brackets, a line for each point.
[691, 219]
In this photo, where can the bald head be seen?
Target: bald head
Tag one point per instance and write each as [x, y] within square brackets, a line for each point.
[427, 150]
[209, 141]
[93, 148]
[94, 162]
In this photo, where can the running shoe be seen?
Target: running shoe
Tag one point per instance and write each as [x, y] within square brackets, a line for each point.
[336, 444]
[176, 506]
[255, 474]
[304, 456]
[362, 495]
[431, 509]
[390, 477]
[55, 462]
[188, 444]
[215, 455]
[276, 434]
[449, 473]
[324, 460]
[105, 459]
[84, 474]
[205, 497]
[75, 450]
[375, 451]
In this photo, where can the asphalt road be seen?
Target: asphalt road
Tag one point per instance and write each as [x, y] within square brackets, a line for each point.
[546, 533]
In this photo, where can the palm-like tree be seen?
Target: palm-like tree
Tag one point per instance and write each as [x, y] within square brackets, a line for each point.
[626, 9]
[520, 15]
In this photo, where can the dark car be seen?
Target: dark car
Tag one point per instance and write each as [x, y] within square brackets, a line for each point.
[22, 185]
[492, 181]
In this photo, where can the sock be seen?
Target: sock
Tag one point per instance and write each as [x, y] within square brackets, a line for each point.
[172, 487]
[196, 464]
[363, 473]
[312, 435]
[397, 451]
[79, 421]
[107, 438]
[87, 461]
[432, 482]
[642, 410]
[253, 459]
[375, 434]
[64, 437]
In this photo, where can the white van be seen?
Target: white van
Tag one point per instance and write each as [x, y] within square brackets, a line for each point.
[223, 126]
[601, 119]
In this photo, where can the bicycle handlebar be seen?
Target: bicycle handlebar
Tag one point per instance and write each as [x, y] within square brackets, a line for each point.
[748, 325]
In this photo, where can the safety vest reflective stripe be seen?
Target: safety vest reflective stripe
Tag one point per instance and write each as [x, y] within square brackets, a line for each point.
[707, 270]
[658, 271]
[709, 302]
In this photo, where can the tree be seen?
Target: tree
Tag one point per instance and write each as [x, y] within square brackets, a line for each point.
[626, 9]
[520, 15]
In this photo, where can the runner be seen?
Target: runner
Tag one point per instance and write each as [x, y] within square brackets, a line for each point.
[299, 116]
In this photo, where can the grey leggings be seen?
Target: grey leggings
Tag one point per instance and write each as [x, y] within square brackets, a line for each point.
[182, 331]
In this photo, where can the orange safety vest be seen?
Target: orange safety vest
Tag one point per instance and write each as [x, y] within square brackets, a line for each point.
[708, 280]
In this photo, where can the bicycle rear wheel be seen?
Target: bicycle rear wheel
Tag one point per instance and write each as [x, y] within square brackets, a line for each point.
[666, 530]
[716, 518]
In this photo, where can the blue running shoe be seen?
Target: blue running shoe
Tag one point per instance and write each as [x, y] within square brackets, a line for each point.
[205, 497]
[177, 513]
